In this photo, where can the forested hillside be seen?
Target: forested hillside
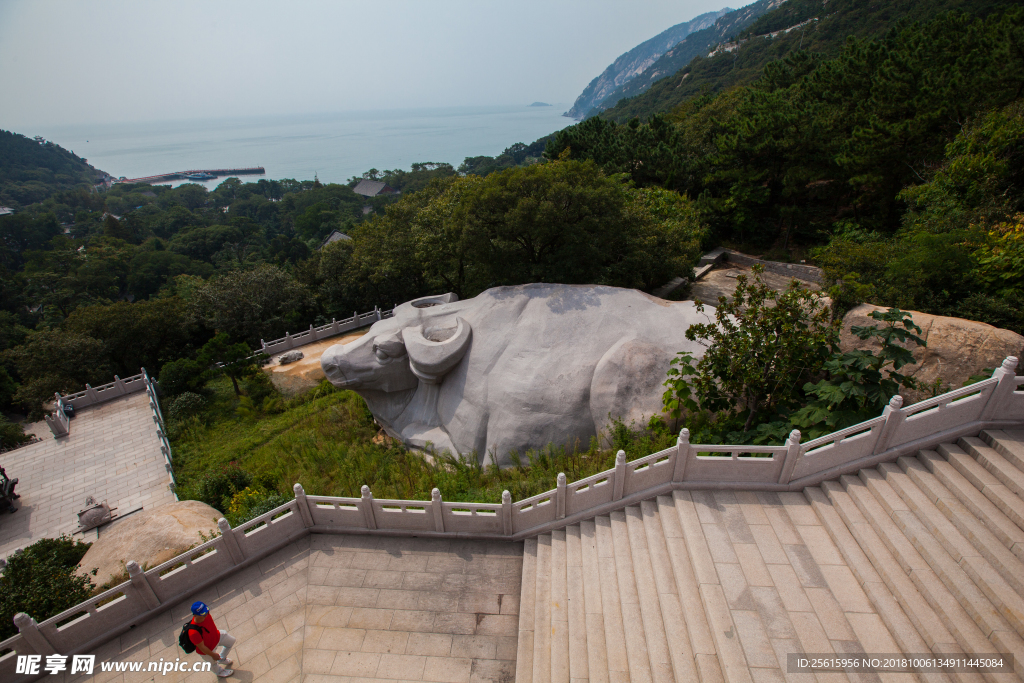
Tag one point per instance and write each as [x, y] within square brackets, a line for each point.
[896, 163]
[31, 171]
[736, 50]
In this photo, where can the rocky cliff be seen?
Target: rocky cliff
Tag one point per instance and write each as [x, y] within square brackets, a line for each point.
[633, 63]
[699, 43]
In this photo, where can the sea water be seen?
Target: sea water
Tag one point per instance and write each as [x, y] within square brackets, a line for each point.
[334, 147]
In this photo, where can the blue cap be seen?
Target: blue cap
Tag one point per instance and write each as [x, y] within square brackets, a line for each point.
[200, 608]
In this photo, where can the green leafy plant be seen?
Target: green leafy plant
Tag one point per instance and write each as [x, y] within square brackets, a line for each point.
[43, 580]
[860, 383]
[185, 405]
[761, 348]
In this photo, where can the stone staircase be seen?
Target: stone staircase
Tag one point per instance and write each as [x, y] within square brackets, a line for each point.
[925, 554]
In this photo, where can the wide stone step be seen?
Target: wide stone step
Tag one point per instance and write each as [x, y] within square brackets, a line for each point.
[527, 606]
[960, 623]
[994, 519]
[906, 614]
[1007, 442]
[542, 616]
[559, 610]
[993, 461]
[1006, 500]
[682, 665]
[973, 530]
[637, 653]
[702, 644]
[647, 590]
[962, 567]
[579, 666]
[597, 645]
[614, 630]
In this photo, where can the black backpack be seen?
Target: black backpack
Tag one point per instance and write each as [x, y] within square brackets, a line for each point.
[184, 641]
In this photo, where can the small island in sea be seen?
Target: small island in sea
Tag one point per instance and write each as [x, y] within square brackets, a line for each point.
[540, 104]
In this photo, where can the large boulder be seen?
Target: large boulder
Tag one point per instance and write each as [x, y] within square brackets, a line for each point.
[515, 368]
[956, 348]
[149, 537]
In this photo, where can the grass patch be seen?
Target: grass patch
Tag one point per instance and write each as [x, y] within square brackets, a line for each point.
[323, 440]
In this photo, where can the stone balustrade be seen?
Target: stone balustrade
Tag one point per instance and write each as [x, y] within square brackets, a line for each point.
[994, 403]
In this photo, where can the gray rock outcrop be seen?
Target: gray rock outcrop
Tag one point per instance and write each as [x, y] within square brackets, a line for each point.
[515, 368]
[149, 537]
[956, 350]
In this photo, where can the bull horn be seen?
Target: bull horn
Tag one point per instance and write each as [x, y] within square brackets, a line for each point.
[431, 360]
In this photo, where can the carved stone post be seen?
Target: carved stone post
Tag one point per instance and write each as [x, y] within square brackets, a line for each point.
[619, 478]
[560, 497]
[437, 507]
[30, 632]
[792, 456]
[1007, 376]
[303, 505]
[366, 504]
[506, 512]
[894, 417]
[229, 541]
[120, 385]
[141, 583]
[682, 455]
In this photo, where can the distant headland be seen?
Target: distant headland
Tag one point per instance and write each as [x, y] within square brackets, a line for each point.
[540, 104]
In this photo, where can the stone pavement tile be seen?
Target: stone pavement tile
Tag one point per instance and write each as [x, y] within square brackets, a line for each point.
[355, 664]
[383, 579]
[402, 667]
[286, 671]
[474, 647]
[447, 670]
[435, 644]
[497, 624]
[441, 601]
[350, 639]
[446, 622]
[398, 599]
[830, 614]
[484, 603]
[756, 646]
[491, 670]
[392, 642]
[345, 577]
[317, 661]
[413, 620]
[422, 580]
[366, 617]
[754, 568]
[358, 597]
[790, 590]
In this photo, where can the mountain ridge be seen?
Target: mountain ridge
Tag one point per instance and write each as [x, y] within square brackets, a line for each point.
[697, 43]
[632, 63]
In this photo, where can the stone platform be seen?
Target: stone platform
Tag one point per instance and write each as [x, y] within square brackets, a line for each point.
[112, 454]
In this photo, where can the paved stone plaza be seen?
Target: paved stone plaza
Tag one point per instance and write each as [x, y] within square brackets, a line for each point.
[342, 609]
[112, 454]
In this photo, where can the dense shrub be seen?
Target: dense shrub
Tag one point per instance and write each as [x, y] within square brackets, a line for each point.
[42, 581]
[180, 376]
[185, 405]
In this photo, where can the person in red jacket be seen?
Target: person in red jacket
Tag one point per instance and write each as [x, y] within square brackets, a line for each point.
[207, 637]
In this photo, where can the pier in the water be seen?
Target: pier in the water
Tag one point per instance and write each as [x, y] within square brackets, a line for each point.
[205, 174]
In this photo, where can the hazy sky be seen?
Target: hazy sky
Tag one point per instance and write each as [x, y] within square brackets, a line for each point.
[84, 62]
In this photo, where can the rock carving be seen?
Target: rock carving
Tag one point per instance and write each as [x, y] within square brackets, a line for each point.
[515, 368]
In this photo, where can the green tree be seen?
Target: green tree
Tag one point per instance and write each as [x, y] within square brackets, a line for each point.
[42, 581]
[56, 361]
[762, 348]
[236, 361]
[250, 305]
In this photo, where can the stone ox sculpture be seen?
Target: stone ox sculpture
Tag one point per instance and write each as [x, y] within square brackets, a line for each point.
[514, 368]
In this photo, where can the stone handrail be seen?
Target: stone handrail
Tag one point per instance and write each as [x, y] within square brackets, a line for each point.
[331, 329]
[161, 429]
[59, 423]
[996, 402]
